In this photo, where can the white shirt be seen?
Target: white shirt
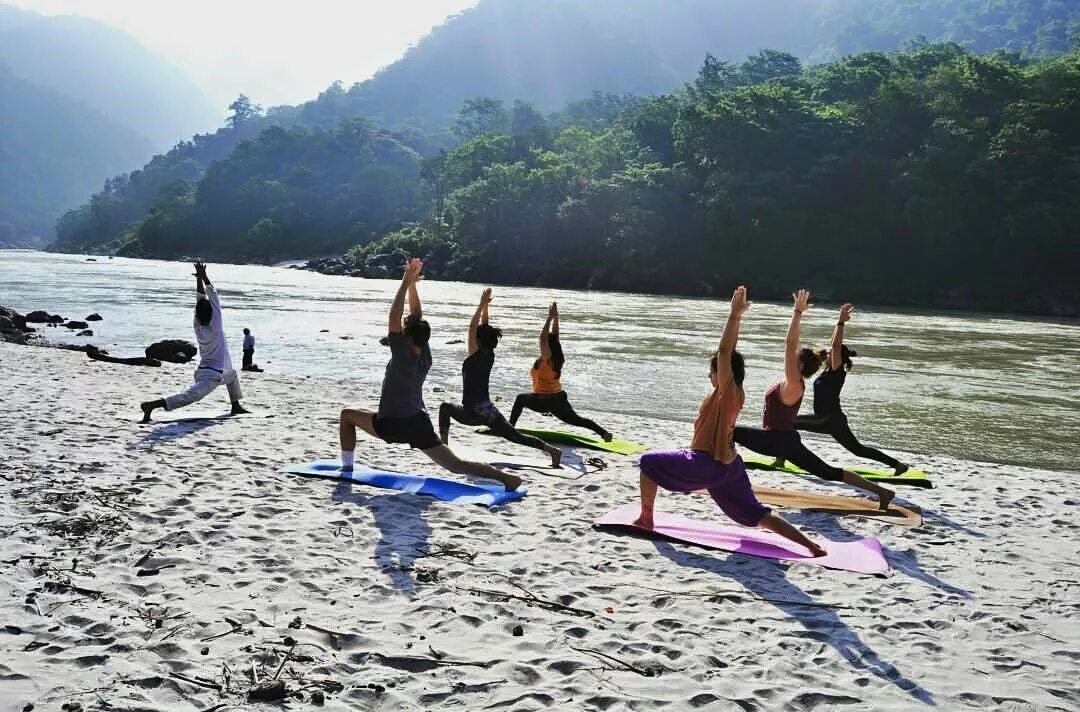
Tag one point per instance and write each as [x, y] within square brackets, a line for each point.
[213, 353]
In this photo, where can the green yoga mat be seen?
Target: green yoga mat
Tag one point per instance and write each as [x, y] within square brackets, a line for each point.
[619, 447]
[911, 478]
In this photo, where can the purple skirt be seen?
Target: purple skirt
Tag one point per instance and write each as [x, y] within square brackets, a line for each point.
[693, 470]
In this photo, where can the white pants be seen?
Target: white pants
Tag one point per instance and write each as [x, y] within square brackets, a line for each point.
[206, 380]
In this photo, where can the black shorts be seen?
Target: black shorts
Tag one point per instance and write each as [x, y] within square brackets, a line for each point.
[416, 430]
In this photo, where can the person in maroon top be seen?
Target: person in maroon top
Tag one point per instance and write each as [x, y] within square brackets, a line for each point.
[778, 436]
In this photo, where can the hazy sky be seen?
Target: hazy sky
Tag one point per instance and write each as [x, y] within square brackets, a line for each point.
[275, 51]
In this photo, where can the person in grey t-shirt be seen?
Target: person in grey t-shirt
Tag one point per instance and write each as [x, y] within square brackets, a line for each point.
[402, 416]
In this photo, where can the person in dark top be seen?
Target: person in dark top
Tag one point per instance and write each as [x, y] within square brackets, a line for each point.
[402, 417]
[476, 407]
[829, 418]
[547, 394]
[778, 436]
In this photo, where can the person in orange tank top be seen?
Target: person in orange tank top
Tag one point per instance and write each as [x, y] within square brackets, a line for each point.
[711, 463]
[548, 395]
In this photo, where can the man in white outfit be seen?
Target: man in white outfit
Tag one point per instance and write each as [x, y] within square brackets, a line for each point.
[215, 366]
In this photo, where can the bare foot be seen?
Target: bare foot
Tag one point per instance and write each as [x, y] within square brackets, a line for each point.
[238, 409]
[900, 469]
[778, 463]
[885, 499]
[556, 456]
[346, 469]
[606, 437]
[645, 521]
[511, 482]
[147, 409]
[817, 550]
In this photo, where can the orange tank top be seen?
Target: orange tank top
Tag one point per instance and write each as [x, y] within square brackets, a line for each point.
[715, 423]
[544, 379]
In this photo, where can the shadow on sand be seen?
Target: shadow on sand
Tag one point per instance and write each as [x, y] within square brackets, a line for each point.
[404, 534]
[768, 581]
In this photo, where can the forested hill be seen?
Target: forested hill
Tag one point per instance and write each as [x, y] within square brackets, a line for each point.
[54, 152]
[108, 71]
[552, 52]
[929, 178]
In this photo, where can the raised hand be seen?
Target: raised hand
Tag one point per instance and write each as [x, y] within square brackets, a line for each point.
[845, 313]
[553, 310]
[802, 300]
[485, 296]
[412, 270]
[739, 300]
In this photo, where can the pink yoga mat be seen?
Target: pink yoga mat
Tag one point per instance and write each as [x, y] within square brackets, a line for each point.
[861, 556]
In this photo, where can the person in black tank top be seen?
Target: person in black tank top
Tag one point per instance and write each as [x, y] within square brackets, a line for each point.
[476, 407]
[829, 418]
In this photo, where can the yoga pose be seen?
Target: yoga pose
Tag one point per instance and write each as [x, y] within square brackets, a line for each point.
[712, 463]
[477, 408]
[778, 436]
[402, 417]
[215, 366]
[548, 395]
[829, 418]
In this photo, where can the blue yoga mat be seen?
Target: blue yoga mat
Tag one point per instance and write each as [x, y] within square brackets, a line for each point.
[446, 490]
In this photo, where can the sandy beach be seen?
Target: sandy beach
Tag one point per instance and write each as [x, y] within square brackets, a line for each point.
[171, 567]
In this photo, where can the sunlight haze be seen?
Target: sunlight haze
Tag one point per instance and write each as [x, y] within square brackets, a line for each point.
[276, 53]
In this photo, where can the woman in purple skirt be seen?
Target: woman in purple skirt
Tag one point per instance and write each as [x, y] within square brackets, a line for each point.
[712, 463]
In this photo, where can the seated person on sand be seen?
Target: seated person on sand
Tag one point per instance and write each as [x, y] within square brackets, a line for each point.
[215, 366]
[477, 408]
[712, 463]
[249, 352]
[777, 436]
[402, 417]
[547, 394]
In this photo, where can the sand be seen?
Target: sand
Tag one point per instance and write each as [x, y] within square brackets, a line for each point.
[168, 567]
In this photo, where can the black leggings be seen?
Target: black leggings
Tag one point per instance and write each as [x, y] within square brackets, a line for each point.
[787, 445]
[484, 414]
[837, 426]
[556, 404]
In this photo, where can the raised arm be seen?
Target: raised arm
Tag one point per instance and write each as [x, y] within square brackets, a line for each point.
[730, 338]
[479, 316]
[407, 287]
[545, 348]
[415, 309]
[200, 278]
[555, 319]
[836, 348]
[792, 388]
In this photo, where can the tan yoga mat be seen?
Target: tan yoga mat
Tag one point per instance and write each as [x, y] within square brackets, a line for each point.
[850, 506]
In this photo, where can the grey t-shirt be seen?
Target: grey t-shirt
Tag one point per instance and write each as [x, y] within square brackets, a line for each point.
[403, 385]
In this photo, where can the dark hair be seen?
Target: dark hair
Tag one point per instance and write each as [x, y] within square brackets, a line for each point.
[204, 312]
[809, 362]
[246, 330]
[417, 331]
[738, 366]
[845, 357]
[557, 358]
[488, 336]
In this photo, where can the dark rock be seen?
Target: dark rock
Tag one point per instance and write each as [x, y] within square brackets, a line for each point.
[6, 324]
[318, 698]
[172, 350]
[85, 332]
[76, 325]
[289, 640]
[204, 651]
[296, 623]
[94, 317]
[518, 631]
[38, 317]
[267, 691]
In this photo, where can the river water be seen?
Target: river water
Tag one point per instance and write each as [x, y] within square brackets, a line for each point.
[976, 387]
